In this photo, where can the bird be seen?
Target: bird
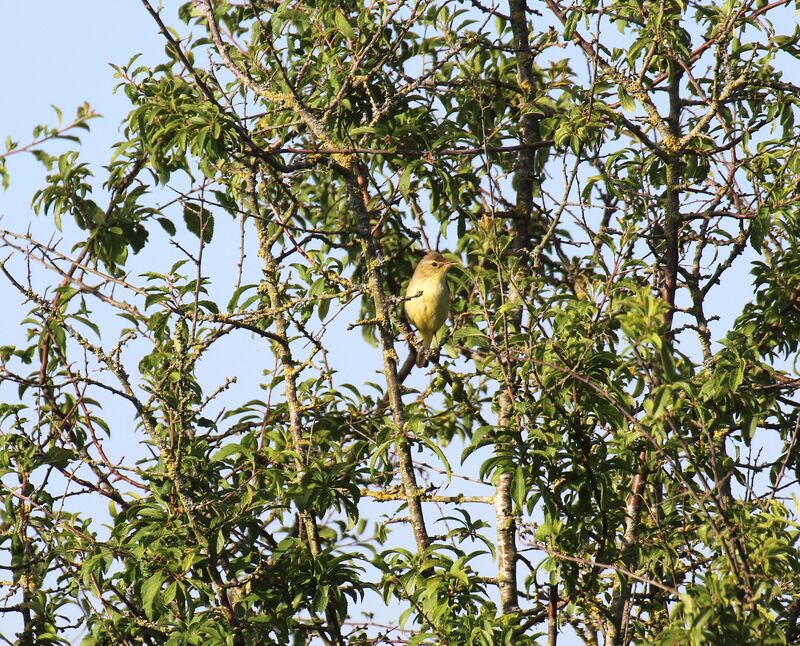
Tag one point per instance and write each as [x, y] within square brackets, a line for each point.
[427, 302]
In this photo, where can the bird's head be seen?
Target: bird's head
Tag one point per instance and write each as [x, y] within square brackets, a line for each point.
[434, 264]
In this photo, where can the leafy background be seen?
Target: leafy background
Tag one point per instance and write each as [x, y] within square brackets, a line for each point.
[596, 393]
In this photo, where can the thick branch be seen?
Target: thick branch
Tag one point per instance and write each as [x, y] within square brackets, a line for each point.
[358, 203]
[506, 544]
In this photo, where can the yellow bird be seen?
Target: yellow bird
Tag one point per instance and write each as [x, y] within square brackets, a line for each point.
[427, 311]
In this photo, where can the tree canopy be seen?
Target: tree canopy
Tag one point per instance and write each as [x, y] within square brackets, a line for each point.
[606, 448]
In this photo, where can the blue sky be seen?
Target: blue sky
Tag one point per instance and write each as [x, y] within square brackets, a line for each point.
[59, 53]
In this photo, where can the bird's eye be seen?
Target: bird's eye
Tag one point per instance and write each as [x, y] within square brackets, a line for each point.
[435, 264]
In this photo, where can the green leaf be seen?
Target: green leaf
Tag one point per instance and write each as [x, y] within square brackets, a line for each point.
[199, 221]
[625, 100]
[343, 25]
[167, 225]
[226, 451]
[519, 489]
[759, 227]
[405, 180]
[150, 589]
[434, 446]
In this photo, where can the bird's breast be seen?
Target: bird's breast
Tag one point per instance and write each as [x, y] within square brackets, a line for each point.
[428, 311]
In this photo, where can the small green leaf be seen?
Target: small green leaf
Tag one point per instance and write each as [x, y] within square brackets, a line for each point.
[167, 225]
[758, 228]
[343, 26]
[226, 451]
[405, 181]
[150, 588]
[519, 489]
[625, 100]
[199, 221]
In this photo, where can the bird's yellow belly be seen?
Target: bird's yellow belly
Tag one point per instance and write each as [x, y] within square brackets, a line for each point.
[428, 312]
